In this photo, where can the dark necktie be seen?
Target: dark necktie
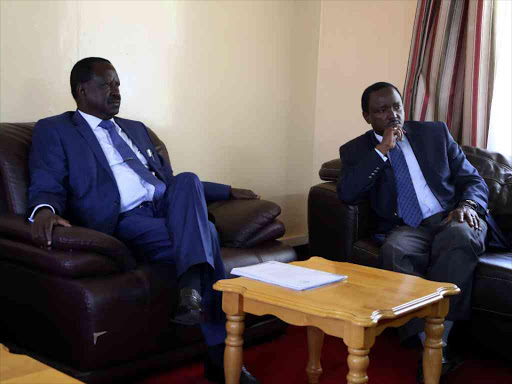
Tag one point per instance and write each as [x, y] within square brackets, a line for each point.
[132, 160]
[410, 210]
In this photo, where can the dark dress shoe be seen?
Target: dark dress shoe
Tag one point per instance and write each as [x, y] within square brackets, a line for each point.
[189, 310]
[215, 374]
[451, 362]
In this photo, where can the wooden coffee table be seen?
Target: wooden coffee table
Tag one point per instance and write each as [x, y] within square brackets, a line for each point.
[22, 369]
[356, 310]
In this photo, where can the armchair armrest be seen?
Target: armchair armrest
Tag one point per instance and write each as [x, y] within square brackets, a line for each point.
[76, 251]
[338, 230]
[365, 221]
[334, 226]
[246, 223]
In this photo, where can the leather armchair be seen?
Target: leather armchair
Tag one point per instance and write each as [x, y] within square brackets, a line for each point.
[86, 307]
[340, 231]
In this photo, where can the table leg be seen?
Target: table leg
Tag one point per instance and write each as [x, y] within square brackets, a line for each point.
[315, 342]
[233, 353]
[358, 362]
[433, 349]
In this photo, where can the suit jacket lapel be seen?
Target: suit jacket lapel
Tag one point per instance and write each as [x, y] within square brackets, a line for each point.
[85, 130]
[373, 140]
[389, 175]
[418, 148]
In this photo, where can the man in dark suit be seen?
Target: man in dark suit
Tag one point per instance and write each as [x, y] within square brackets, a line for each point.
[91, 169]
[430, 202]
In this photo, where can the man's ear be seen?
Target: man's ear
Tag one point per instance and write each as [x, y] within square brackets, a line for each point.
[80, 90]
[366, 116]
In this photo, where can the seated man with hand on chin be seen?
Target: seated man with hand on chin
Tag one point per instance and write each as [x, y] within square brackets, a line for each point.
[104, 173]
[429, 201]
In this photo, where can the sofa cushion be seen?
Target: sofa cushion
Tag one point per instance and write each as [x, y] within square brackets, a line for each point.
[493, 279]
[270, 251]
[496, 170]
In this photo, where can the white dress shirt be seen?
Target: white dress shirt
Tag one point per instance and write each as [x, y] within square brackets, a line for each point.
[429, 204]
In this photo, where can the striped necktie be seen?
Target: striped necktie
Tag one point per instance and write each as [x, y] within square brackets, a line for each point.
[132, 160]
[408, 204]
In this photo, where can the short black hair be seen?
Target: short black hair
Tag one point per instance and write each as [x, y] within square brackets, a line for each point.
[82, 72]
[374, 88]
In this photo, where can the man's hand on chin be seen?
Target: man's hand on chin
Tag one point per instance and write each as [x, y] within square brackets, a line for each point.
[243, 194]
[390, 136]
[42, 227]
[467, 214]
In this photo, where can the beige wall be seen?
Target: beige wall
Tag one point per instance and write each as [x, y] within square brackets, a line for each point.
[256, 94]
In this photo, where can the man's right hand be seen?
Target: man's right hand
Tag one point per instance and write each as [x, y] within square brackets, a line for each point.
[42, 227]
[389, 138]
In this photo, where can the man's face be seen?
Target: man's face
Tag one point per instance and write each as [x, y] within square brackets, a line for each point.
[385, 110]
[100, 96]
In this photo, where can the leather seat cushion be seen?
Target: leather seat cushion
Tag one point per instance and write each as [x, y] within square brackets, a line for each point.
[492, 284]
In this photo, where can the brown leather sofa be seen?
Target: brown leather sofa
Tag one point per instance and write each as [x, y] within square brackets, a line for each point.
[86, 307]
[340, 231]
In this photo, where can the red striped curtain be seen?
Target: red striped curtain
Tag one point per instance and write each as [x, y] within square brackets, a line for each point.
[450, 70]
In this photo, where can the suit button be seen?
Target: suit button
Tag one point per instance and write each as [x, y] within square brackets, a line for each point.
[396, 214]
[116, 202]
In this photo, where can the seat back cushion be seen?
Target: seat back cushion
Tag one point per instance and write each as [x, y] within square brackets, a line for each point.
[496, 170]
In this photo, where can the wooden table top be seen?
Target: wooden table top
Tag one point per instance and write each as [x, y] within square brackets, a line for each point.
[367, 296]
[22, 369]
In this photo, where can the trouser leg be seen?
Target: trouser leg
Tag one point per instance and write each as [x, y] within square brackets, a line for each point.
[214, 329]
[195, 241]
[439, 251]
[184, 209]
[407, 250]
[145, 235]
[454, 257]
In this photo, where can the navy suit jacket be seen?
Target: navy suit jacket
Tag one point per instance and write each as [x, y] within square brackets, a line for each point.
[69, 171]
[450, 176]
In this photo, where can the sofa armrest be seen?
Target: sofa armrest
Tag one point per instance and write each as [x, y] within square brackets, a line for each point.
[246, 223]
[76, 251]
[334, 226]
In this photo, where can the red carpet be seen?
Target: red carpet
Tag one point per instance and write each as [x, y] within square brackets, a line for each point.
[284, 359]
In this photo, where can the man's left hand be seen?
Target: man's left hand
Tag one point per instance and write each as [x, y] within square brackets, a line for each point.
[465, 213]
[243, 194]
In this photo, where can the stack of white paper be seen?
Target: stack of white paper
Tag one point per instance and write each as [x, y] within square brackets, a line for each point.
[287, 275]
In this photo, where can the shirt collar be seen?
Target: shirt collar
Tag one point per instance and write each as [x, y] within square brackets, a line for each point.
[93, 121]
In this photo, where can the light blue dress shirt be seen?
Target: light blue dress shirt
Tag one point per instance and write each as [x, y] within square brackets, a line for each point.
[429, 204]
[132, 188]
